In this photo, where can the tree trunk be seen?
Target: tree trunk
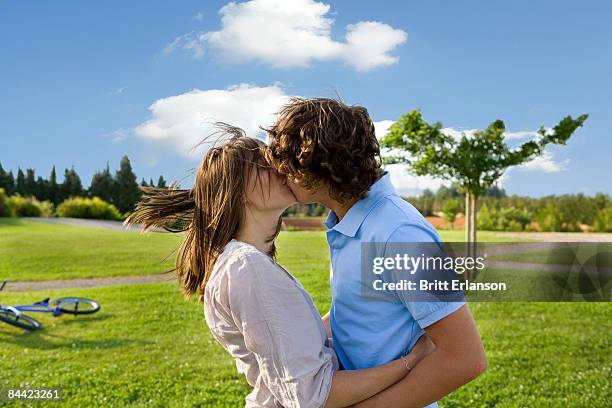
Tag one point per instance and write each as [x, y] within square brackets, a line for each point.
[471, 227]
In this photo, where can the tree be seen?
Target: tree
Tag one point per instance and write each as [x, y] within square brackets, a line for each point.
[20, 186]
[474, 161]
[71, 186]
[127, 191]
[30, 183]
[161, 183]
[103, 185]
[7, 182]
[450, 211]
[143, 183]
[42, 189]
[54, 191]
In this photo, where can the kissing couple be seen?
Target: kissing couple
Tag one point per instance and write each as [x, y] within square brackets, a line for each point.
[389, 352]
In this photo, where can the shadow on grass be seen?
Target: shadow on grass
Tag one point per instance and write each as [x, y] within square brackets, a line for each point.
[43, 340]
[10, 222]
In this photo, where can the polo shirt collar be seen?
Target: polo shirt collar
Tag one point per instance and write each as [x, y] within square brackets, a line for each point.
[355, 216]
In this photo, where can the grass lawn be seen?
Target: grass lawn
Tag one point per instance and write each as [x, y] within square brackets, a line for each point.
[149, 347]
[40, 251]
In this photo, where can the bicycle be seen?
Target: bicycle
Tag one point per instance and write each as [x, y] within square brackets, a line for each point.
[14, 315]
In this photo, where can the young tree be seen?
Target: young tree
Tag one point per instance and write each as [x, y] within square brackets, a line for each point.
[143, 183]
[161, 183]
[450, 211]
[475, 161]
[103, 185]
[127, 191]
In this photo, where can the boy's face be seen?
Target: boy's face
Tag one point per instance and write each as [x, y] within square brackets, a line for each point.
[303, 195]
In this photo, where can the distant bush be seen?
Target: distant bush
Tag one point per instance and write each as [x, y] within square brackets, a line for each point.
[80, 207]
[5, 209]
[503, 219]
[29, 207]
[555, 217]
[603, 220]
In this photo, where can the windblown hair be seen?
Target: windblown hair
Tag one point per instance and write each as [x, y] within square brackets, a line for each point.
[323, 140]
[209, 213]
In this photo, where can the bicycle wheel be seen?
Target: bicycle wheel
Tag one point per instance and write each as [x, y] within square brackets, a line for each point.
[19, 320]
[76, 306]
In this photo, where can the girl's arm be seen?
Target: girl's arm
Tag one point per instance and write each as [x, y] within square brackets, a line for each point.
[352, 386]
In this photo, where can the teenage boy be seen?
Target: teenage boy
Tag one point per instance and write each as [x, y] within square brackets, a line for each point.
[330, 154]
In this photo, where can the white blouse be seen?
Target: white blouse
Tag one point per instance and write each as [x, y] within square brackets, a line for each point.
[267, 321]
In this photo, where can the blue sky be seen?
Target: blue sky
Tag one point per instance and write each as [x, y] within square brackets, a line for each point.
[83, 83]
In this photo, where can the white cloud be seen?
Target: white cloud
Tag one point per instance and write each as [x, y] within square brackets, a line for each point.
[545, 163]
[381, 128]
[187, 42]
[293, 33]
[118, 91]
[407, 184]
[117, 136]
[198, 17]
[179, 122]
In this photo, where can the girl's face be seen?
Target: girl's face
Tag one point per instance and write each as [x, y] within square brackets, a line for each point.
[268, 190]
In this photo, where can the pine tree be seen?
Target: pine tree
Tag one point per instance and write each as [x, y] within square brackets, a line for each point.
[42, 189]
[6, 181]
[10, 183]
[71, 186]
[161, 183]
[127, 191]
[53, 193]
[103, 185]
[20, 188]
[30, 183]
[151, 182]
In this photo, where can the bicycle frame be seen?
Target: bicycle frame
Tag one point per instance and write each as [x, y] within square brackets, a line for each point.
[39, 307]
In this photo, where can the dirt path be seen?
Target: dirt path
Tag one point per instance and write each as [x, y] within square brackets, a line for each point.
[26, 286]
[82, 222]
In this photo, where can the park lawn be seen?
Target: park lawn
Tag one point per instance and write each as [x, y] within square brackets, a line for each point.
[149, 347]
[42, 251]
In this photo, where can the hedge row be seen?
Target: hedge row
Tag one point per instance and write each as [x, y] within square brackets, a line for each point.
[75, 207]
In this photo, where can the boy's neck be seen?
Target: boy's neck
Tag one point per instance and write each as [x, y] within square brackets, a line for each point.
[340, 209]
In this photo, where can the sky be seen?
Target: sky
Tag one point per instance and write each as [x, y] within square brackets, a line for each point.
[84, 83]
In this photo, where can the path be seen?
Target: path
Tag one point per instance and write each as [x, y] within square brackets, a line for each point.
[82, 222]
[26, 286]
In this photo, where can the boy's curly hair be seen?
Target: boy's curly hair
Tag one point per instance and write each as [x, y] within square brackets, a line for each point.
[323, 140]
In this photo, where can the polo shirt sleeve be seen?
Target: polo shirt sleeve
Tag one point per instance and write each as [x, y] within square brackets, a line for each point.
[425, 313]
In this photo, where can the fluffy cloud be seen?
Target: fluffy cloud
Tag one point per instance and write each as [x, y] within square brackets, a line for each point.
[545, 163]
[180, 122]
[293, 33]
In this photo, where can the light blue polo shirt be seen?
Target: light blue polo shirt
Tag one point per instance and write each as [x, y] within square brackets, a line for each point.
[368, 333]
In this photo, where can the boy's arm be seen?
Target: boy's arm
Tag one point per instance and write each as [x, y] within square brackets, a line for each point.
[458, 358]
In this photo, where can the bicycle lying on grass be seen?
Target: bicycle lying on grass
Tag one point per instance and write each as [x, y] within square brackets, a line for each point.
[14, 315]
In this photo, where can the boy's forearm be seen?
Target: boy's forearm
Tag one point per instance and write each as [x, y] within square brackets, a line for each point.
[458, 358]
[435, 376]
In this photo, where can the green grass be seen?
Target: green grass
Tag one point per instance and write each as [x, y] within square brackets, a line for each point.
[149, 347]
[41, 251]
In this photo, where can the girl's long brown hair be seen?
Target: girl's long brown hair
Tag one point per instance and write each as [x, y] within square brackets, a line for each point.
[210, 212]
